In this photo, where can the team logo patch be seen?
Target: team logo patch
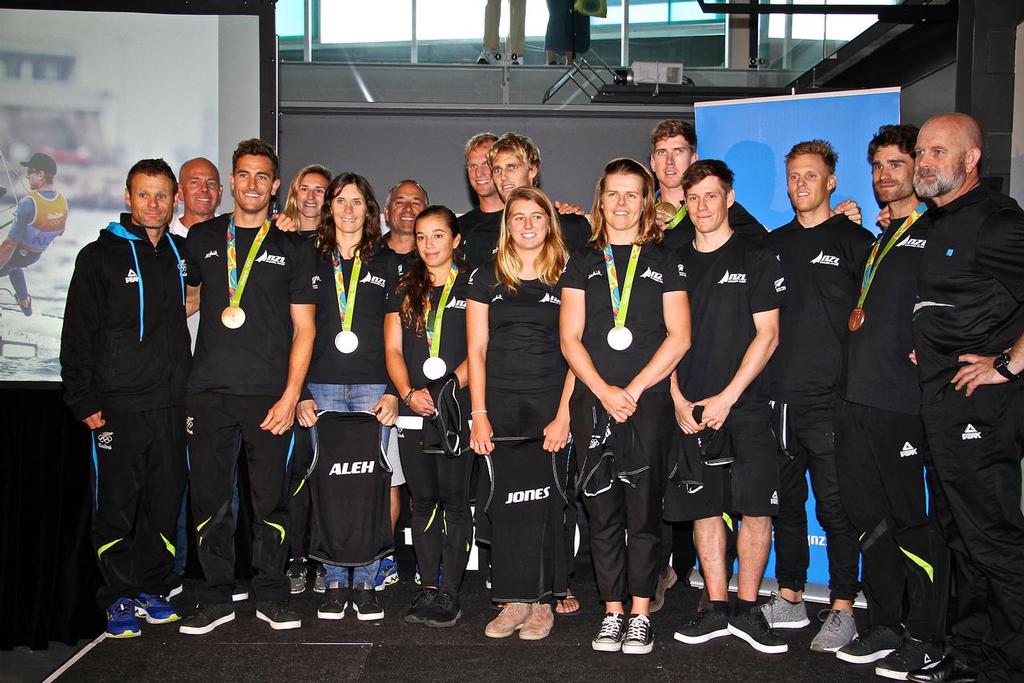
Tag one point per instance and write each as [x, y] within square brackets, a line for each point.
[373, 280]
[131, 278]
[916, 244]
[497, 297]
[826, 260]
[105, 440]
[970, 433]
[774, 499]
[549, 299]
[780, 285]
[682, 270]
[528, 495]
[472, 275]
[190, 423]
[594, 273]
[267, 257]
[316, 282]
[733, 279]
[457, 303]
[211, 254]
[181, 267]
[907, 450]
[652, 275]
[343, 468]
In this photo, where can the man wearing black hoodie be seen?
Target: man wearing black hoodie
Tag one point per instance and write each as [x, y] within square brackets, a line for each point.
[124, 361]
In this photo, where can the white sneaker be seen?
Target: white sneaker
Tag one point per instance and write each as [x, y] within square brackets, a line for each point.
[488, 57]
[516, 60]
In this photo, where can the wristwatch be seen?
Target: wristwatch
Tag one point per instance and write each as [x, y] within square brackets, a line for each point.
[1002, 366]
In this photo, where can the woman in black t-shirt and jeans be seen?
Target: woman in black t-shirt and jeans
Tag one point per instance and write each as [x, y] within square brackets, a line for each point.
[625, 324]
[425, 350]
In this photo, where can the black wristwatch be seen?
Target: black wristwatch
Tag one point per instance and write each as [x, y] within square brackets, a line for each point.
[1002, 366]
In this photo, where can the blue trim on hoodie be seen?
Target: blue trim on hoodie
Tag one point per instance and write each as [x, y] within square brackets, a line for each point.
[119, 230]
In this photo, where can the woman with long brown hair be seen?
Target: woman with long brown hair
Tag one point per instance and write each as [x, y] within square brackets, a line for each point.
[425, 348]
[347, 372]
[624, 326]
[520, 387]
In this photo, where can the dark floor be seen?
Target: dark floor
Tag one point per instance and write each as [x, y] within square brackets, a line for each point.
[248, 649]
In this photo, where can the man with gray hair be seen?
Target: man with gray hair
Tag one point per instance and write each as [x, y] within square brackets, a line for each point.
[969, 346]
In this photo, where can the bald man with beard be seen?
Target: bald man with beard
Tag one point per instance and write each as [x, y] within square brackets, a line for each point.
[969, 346]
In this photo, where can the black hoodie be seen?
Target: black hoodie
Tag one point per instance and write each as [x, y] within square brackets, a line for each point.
[125, 344]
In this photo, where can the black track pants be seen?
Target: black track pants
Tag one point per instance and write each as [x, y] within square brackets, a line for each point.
[976, 452]
[138, 479]
[218, 421]
[808, 433]
[632, 569]
[441, 519]
[881, 456]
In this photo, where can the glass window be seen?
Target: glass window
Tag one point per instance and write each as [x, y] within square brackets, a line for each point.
[290, 17]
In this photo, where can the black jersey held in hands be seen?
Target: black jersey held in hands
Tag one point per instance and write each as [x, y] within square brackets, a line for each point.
[523, 349]
[252, 360]
[879, 372]
[658, 271]
[822, 267]
[971, 285]
[365, 365]
[727, 287]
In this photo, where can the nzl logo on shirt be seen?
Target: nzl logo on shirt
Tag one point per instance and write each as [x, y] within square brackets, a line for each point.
[316, 282]
[826, 260]
[594, 273]
[131, 278]
[267, 257]
[373, 280]
[549, 299]
[527, 495]
[907, 450]
[342, 468]
[497, 297]
[653, 275]
[916, 244]
[733, 279]
[970, 433]
[457, 303]
[211, 254]
[780, 285]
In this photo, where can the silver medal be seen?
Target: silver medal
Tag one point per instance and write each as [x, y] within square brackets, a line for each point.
[619, 338]
[434, 368]
[346, 341]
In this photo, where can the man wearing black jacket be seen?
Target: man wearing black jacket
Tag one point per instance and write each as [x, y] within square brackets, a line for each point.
[969, 344]
[124, 361]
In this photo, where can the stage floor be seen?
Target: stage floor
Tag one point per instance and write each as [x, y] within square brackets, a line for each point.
[248, 649]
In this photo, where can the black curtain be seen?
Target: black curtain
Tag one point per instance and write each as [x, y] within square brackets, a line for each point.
[48, 578]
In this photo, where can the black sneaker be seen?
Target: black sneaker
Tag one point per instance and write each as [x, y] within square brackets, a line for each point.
[609, 636]
[445, 611]
[753, 628]
[296, 574]
[910, 655]
[870, 646]
[279, 615]
[421, 606]
[334, 604]
[706, 625]
[206, 618]
[639, 638]
[364, 602]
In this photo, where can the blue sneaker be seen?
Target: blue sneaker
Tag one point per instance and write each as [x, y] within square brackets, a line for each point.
[156, 609]
[121, 622]
[387, 574]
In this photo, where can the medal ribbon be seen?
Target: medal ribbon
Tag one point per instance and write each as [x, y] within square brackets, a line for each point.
[346, 301]
[871, 267]
[236, 284]
[620, 303]
[678, 218]
[433, 328]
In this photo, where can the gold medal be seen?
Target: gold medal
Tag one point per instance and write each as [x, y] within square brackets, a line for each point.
[856, 319]
[233, 317]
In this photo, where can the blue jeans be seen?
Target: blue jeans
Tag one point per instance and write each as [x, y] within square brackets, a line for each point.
[350, 398]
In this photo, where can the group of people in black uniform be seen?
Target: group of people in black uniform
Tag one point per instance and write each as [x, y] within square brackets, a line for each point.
[663, 365]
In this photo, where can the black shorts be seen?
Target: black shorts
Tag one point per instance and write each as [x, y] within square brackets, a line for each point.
[22, 258]
[749, 486]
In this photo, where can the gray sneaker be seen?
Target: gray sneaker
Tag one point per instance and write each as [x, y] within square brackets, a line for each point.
[781, 613]
[837, 631]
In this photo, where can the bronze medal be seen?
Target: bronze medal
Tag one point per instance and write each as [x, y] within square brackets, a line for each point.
[856, 319]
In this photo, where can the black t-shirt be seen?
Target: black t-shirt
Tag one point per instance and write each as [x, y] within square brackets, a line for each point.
[480, 232]
[253, 359]
[740, 220]
[415, 349]
[658, 271]
[727, 287]
[523, 349]
[822, 267]
[971, 285]
[397, 263]
[365, 365]
[878, 368]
